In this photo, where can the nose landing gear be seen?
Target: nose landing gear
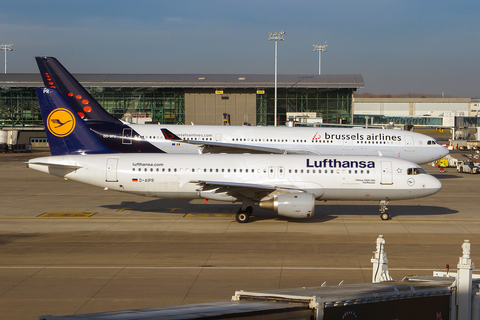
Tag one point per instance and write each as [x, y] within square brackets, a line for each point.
[384, 210]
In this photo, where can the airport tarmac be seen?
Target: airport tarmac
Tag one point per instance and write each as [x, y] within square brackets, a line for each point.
[69, 248]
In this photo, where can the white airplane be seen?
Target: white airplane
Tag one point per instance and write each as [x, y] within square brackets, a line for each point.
[133, 138]
[287, 184]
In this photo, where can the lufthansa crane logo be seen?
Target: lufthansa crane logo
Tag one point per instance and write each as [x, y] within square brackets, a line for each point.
[61, 122]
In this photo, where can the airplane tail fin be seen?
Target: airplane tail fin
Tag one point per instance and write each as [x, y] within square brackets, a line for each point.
[55, 76]
[66, 132]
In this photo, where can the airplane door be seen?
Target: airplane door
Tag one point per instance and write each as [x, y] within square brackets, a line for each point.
[409, 143]
[347, 145]
[127, 136]
[387, 176]
[112, 170]
[218, 137]
[271, 172]
[280, 172]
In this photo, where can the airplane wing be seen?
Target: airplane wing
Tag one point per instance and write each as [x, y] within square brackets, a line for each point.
[225, 147]
[249, 190]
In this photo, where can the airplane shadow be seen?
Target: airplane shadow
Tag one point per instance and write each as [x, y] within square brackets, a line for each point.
[443, 176]
[323, 212]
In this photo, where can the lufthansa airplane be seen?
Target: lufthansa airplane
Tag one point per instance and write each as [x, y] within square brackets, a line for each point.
[132, 138]
[287, 184]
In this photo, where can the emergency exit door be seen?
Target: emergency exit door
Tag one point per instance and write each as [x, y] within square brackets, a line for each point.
[387, 175]
[112, 170]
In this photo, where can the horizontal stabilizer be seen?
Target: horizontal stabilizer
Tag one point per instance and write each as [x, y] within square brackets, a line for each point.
[57, 165]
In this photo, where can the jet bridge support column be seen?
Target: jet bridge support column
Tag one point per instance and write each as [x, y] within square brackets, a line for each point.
[380, 263]
[464, 283]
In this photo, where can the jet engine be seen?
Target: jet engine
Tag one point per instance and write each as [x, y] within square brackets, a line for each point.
[292, 205]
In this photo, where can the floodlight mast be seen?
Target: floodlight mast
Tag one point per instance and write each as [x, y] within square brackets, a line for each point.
[320, 49]
[276, 36]
[6, 47]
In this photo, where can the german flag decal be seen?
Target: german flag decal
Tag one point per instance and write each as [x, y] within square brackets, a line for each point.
[134, 180]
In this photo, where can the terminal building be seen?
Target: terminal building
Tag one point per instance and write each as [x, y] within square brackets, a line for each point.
[236, 99]
[201, 99]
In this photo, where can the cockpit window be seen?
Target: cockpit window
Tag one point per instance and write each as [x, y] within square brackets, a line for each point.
[431, 142]
[414, 171]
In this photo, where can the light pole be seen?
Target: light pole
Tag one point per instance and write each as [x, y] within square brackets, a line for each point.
[6, 47]
[320, 49]
[276, 36]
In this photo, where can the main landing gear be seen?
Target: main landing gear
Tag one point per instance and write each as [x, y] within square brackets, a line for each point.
[243, 215]
[384, 210]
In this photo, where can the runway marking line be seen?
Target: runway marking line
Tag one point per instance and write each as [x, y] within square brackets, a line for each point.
[216, 268]
[66, 214]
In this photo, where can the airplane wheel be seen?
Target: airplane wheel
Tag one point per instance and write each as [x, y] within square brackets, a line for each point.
[242, 217]
[249, 210]
[384, 216]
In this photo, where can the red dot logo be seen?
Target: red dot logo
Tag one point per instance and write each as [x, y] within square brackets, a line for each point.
[70, 94]
[81, 114]
[87, 109]
[85, 101]
[78, 96]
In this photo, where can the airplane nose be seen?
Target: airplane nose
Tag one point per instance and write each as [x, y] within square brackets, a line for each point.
[444, 151]
[433, 184]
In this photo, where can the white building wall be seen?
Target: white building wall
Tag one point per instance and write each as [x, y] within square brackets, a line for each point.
[381, 108]
[438, 109]
[417, 107]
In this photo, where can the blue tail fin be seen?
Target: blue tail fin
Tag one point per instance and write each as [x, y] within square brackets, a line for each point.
[66, 132]
[55, 76]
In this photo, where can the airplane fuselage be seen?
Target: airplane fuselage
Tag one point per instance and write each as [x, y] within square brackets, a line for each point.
[407, 145]
[179, 176]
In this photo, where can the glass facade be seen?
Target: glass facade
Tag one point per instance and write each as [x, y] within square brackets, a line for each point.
[19, 106]
[332, 105]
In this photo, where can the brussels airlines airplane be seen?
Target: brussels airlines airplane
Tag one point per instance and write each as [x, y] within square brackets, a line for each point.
[287, 184]
[123, 137]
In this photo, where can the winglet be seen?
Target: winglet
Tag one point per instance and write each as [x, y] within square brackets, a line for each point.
[66, 132]
[55, 76]
[169, 135]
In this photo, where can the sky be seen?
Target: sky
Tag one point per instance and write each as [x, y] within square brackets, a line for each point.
[398, 46]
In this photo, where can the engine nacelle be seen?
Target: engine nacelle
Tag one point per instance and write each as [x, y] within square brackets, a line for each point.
[292, 205]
